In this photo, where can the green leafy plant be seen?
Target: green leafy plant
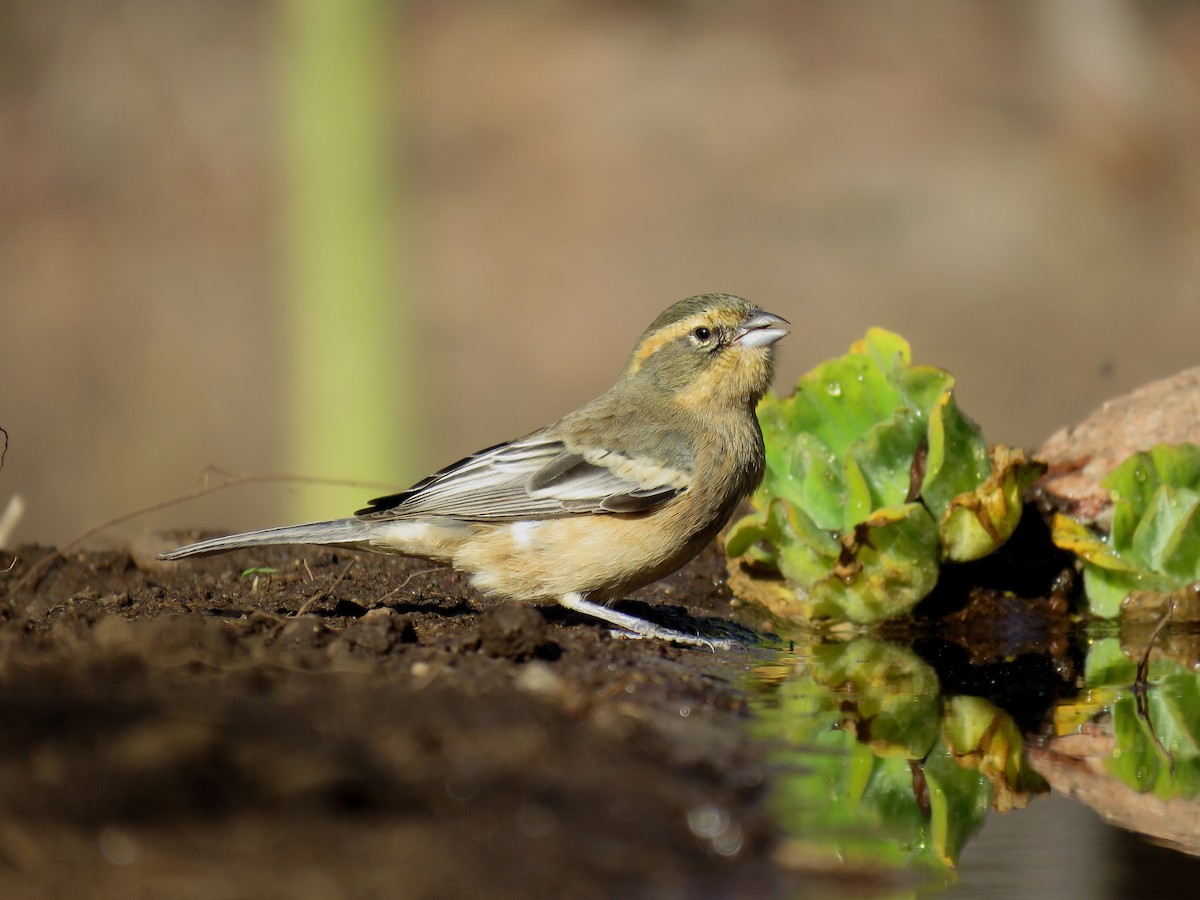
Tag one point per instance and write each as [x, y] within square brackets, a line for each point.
[874, 478]
[1154, 543]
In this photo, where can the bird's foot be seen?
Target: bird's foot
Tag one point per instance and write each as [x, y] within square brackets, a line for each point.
[628, 626]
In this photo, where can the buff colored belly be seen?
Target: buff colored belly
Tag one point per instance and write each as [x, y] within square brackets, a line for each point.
[601, 558]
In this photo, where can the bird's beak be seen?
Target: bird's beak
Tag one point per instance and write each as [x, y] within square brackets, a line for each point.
[762, 329]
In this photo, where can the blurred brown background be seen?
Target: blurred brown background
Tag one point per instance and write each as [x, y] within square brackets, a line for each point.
[1015, 187]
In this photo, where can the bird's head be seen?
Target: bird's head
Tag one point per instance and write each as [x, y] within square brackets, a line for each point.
[709, 348]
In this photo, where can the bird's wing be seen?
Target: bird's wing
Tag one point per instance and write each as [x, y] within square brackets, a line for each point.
[534, 477]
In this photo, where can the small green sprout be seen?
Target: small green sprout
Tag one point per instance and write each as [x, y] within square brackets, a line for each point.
[254, 572]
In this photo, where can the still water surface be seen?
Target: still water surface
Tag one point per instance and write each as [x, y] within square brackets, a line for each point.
[913, 768]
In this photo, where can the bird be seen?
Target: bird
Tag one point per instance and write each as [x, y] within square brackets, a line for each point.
[619, 493]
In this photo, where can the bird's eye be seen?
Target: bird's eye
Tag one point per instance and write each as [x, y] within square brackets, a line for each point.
[702, 334]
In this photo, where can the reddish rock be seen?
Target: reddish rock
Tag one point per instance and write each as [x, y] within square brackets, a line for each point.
[1080, 456]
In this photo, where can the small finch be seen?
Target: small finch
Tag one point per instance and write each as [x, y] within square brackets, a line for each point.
[619, 493]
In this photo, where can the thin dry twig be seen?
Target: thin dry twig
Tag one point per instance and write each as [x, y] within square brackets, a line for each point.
[402, 585]
[1141, 684]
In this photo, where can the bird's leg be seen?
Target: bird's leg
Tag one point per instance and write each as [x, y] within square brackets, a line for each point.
[633, 627]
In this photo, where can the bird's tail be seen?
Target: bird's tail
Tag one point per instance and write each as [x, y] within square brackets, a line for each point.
[338, 531]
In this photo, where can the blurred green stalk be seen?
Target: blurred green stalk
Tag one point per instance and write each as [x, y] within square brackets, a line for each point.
[350, 379]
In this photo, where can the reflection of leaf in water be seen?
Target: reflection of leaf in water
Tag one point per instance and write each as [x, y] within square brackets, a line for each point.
[845, 736]
[985, 738]
[1138, 768]
[1156, 727]
[891, 694]
[867, 774]
[959, 801]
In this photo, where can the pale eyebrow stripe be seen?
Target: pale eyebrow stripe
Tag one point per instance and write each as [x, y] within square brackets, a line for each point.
[659, 339]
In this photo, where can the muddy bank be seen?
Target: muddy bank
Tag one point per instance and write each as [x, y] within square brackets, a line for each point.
[343, 725]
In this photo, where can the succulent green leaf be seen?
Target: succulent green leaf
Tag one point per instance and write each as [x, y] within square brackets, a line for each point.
[1154, 542]
[1154, 530]
[1106, 589]
[890, 564]
[745, 533]
[977, 521]
[884, 478]
[890, 352]
[1088, 545]
[1136, 479]
[885, 458]
[836, 401]
[858, 495]
[1181, 553]
[819, 480]
[805, 551]
[958, 456]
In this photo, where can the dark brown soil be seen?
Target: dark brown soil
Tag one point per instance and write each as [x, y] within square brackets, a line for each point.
[357, 726]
